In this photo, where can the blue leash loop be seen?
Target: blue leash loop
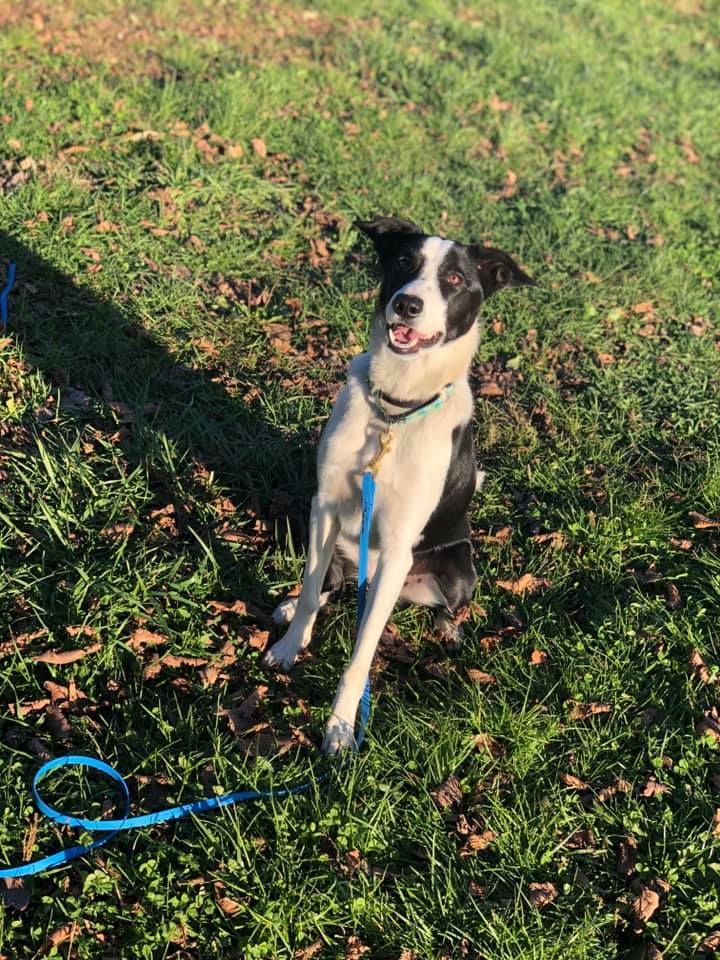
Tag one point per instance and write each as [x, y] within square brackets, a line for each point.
[111, 827]
[4, 297]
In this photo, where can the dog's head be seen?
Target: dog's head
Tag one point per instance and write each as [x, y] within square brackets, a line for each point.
[432, 289]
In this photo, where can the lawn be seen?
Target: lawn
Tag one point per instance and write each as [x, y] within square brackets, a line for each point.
[178, 181]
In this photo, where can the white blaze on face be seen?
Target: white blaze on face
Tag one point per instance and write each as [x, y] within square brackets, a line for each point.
[426, 286]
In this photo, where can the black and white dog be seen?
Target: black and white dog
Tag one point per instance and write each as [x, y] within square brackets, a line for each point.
[423, 340]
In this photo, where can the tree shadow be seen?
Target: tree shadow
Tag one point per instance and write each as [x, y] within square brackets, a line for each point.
[184, 425]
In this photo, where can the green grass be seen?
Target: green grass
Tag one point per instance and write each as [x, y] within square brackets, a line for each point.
[582, 138]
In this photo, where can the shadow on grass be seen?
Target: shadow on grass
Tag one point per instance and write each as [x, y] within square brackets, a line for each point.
[116, 380]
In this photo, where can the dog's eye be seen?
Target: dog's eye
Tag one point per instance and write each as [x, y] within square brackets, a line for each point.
[404, 262]
[455, 279]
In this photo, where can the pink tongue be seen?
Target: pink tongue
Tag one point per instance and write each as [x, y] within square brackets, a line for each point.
[404, 334]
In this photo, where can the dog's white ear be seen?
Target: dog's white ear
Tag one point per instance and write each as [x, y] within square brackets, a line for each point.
[385, 230]
[497, 269]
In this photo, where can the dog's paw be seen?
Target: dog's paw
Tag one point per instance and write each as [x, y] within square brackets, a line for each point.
[448, 633]
[339, 736]
[281, 655]
[285, 611]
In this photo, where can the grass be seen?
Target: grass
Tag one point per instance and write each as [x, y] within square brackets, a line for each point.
[185, 306]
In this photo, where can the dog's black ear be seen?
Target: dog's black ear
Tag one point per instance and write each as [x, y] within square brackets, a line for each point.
[385, 231]
[497, 269]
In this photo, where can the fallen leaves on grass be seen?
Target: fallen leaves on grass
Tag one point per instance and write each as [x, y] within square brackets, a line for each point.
[555, 539]
[259, 147]
[14, 894]
[477, 890]
[157, 664]
[480, 677]
[573, 783]
[627, 857]
[117, 531]
[538, 657]
[65, 656]
[483, 741]
[542, 894]
[618, 785]
[527, 583]
[476, 842]
[646, 904]
[448, 795]
[652, 788]
[583, 711]
[701, 522]
[226, 904]
[715, 823]
[355, 948]
[140, 639]
[306, 953]
[709, 725]
[711, 943]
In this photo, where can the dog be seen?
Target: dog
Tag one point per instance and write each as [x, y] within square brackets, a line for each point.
[423, 338]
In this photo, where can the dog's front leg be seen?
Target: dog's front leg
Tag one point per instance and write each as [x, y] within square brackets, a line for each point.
[387, 583]
[324, 527]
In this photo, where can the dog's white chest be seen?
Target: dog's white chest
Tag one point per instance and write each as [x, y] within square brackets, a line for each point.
[410, 477]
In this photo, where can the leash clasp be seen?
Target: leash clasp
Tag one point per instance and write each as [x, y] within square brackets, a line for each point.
[385, 440]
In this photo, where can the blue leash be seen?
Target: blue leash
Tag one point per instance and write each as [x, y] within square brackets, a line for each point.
[126, 822]
[4, 297]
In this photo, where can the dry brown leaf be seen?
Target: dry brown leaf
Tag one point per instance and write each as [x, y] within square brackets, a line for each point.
[646, 904]
[355, 948]
[651, 788]
[306, 953]
[67, 932]
[715, 823]
[680, 544]
[448, 794]
[701, 522]
[117, 530]
[580, 839]
[673, 597]
[582, 711]
[573, 782]
[711, 943]
[556, 539]
[14, 894]
[259, 146]
[58, 723]
[627, 857]
[221, 606]
[477, 890]
[476, 842]
[645, 307]
[228, 906]
[479, 676]
[709, 725]
[483, 741]
[65, 656]
[81, 630]
[541, 894]
[527, 583]
[491, 389]
[250, 704]
[538, 657]
[141, 638]
[619, 785]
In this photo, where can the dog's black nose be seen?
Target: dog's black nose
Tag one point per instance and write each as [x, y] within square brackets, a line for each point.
[407, 307]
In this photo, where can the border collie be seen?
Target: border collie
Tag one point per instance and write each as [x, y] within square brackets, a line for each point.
[423, 339]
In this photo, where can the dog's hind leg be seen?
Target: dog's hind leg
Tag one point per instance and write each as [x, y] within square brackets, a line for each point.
[324, 527]
[443, 578]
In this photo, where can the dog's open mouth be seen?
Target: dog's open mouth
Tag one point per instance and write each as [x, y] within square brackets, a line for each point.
[404, 339]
